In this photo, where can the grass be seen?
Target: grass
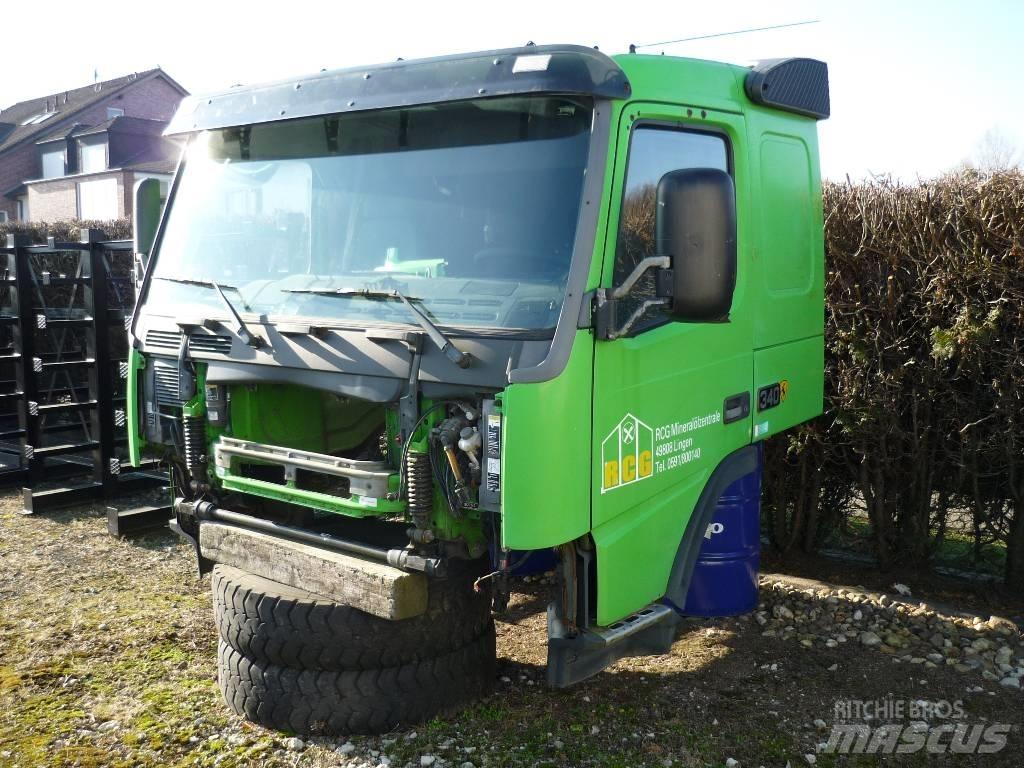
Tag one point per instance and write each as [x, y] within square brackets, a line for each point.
[95, 630]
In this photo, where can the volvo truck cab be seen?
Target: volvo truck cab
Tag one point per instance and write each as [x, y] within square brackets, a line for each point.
[401, 325]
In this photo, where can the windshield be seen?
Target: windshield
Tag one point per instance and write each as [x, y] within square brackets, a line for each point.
[469, 207]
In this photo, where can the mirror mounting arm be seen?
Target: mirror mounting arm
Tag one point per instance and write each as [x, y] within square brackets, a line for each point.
[607, 326]
[650, 262]
[607, 302]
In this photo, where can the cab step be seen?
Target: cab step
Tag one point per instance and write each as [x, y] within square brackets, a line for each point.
[649, 631]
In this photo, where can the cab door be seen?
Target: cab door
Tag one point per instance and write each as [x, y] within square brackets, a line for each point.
[671, 399]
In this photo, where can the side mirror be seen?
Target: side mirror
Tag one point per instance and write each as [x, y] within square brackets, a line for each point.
[146, 218]
[696, 227]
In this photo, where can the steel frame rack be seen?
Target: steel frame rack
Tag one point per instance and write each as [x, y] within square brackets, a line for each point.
[67, 426]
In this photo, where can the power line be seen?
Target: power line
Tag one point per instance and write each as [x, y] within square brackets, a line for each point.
[727, 34]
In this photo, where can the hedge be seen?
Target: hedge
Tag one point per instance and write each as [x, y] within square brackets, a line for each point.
[114, 229]
[923, 426]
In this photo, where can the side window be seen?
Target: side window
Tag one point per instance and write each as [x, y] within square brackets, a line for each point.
[653, 152]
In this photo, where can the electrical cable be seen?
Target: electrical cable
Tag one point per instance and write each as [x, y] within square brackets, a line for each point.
[416, 426]
[405, 448]
[444, 478]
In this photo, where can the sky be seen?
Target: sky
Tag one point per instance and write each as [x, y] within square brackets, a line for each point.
[915, 85]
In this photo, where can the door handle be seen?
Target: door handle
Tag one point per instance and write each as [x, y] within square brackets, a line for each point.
[736, 407]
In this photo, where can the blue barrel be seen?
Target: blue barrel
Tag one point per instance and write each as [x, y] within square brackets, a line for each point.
[534, 561]
[528, 562]
[725, 578]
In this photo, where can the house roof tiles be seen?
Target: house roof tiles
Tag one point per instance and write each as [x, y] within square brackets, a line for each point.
[24, 120]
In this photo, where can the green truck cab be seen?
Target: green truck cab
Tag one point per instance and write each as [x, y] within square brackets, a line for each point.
[445, 310]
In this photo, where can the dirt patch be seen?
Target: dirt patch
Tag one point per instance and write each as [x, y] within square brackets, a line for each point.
[107, 658]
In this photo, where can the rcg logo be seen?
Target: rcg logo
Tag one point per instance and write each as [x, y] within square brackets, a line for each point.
[627, 454]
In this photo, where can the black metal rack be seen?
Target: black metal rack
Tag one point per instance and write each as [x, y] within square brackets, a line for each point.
[63, 371]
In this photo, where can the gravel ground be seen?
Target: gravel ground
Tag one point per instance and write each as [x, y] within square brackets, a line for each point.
[107, 653]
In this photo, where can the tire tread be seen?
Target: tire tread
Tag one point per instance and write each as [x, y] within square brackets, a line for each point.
[365, 701]
[282, 626]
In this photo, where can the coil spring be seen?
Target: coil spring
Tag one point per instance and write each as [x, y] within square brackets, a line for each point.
[420, 483]
[194, 431]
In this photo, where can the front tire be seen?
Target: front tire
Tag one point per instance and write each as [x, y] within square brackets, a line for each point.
[367, 701]
[276, 624]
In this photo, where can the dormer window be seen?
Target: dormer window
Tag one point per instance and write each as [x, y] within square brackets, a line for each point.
[37, 119]
[94, 157]
[54, 163]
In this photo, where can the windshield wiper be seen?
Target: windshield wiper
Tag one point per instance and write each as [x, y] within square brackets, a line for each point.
[446, 345]
[242, 330]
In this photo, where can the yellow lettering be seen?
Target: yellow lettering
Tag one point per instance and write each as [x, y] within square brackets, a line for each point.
[646, 464]
[611, 474]
[628, 468]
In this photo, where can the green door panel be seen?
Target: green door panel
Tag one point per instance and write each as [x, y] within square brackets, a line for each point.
[789, 244]
[796, 368]
[635, 551]
[659, 419]
[545, 493]
[659, 397]
[659, 433]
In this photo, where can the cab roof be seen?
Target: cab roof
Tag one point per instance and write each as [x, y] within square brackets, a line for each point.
[794, 85]
[533, 69]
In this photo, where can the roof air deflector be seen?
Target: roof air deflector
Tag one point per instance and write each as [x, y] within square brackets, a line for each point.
[794, 85]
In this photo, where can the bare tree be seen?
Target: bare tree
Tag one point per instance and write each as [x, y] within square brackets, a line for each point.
[995, 151]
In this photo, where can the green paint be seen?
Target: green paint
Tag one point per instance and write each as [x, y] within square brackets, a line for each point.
[667, 386]
[298, 417]
[799, 364]
[465, 527]
[622, 442]
[545, 494]
[353, 506]
[136, 415]
[422, 267]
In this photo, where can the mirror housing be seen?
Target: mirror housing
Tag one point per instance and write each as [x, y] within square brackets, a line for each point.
[146, 217]
[696, 227]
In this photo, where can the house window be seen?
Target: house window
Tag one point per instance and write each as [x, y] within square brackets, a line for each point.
[97, 199]
[53, 163]
[94, 157]
[21, 210]
[113, 112]
[3, 217]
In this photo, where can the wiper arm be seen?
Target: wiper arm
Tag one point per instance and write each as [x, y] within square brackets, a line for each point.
[241, 329]
[446, 345]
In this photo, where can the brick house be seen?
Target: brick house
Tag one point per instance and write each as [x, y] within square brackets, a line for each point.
[78, 154]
